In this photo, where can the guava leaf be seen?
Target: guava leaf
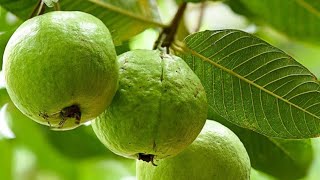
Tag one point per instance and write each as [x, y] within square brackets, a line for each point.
[281, 158]
[255, 85]
[299, 19]
[123, 18]
[239, 8]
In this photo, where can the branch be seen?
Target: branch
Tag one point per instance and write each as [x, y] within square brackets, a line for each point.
[167, 34]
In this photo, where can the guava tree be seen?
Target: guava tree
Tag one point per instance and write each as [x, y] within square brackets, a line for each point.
[256, 59]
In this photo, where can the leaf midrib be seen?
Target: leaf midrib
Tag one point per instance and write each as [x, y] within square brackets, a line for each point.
[127, 13]
[183, 46]
[308, 7]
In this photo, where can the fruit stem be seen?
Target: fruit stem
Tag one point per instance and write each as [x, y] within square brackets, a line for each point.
[39, 9]
[167, 34]
[147, 158]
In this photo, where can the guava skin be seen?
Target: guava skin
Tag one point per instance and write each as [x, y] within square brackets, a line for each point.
[216, 154]
[159, 109]
[60, 60]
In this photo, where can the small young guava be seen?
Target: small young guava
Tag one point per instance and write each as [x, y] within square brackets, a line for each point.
[216, 154]
[159, 108]
[61, 68]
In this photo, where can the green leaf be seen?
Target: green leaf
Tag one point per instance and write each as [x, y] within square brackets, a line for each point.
[255, 85]
[299, 19]
[239, 8]
[123, 18]
[281, 158]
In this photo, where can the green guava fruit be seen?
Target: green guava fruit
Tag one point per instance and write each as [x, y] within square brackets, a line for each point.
[216, 154]
[61, 68]
[159, 108]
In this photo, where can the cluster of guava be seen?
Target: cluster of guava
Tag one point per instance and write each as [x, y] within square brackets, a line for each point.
[61, 70]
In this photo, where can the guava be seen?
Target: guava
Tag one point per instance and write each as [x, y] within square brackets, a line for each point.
[216, 154]
[61, 68]
[159, 108]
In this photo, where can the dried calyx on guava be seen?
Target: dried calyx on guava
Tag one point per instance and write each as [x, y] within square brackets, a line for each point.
[61, 69]
[159, 108]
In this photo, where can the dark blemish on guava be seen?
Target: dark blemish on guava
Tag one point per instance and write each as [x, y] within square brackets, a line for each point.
[147, 158]
[197, 91]
[45, 116]
[70, 112]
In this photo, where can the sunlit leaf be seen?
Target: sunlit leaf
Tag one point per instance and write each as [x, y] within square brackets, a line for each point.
[299, 19]
[123, 18]
[255, 85]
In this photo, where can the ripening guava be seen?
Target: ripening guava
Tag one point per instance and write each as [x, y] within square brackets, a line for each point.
[61, 68]
[159, 108]
[216, 154]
